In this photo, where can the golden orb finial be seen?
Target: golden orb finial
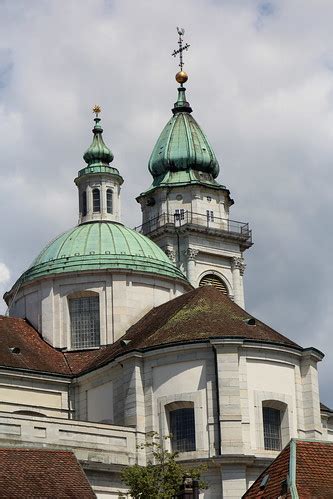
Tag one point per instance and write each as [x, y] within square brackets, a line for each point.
[181, 77]
[97, 109]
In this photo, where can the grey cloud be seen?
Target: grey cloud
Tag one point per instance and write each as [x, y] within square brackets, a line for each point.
[263, 96]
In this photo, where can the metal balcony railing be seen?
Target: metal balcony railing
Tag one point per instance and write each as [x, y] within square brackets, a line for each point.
[199, 221]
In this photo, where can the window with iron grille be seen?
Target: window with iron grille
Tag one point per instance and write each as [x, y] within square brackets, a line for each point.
[96, 200]
[109, 200]
[84, 203]
[84, 317]
[182, 429]
[272, 428]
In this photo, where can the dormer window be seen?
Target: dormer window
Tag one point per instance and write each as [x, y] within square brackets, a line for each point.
[109, 201]
[96, 200]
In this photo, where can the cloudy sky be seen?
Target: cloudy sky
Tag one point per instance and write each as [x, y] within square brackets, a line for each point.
[261, 86]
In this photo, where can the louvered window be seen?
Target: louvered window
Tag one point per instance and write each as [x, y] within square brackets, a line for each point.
[213, 280]
[84, 317]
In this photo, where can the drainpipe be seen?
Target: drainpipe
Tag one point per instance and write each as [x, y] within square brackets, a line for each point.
[217, 403]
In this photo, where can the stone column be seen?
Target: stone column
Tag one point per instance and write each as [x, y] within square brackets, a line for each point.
[238, 268]
[191, 254]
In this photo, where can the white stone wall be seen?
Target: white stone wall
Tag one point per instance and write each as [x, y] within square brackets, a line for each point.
[137, 390]
[123, 298]
[103, 182]
[197, 253]
[43, 394]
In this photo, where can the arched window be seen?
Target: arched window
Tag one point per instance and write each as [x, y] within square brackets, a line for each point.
[109, 201]
[84, 318]
[84, 203]
[96, 200]
[214, 280]
[272, 428]
[182, 429]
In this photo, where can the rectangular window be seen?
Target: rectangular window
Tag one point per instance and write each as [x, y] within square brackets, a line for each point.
[182, 429]
[84, 203]
[84, 317]
[96, 200]
[210, 216]
[272, 428]
[109, 201]
[179, 214]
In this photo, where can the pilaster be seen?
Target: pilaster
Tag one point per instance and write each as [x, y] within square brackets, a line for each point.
[228, 376]
[134, 407]
[310, 391]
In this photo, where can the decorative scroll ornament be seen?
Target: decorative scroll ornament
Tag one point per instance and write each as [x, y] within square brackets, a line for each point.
[237, 262]
[191, 253]
[170, 252]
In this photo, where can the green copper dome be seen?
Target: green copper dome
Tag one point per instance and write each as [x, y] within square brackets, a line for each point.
[101, 245]
[182, 145]
[98, 154]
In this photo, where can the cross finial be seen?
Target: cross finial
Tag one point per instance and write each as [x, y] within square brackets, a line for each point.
[96, 109]
[181, 49]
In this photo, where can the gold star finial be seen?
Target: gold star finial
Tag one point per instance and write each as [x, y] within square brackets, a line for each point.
[96, 109]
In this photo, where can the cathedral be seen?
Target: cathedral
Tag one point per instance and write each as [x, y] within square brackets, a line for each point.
[115, 332]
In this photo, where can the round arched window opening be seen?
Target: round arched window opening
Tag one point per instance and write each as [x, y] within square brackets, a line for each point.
[215, 281]
[96, 200]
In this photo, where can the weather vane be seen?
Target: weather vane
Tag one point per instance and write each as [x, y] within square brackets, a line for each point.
[181, 49]
[96, 109]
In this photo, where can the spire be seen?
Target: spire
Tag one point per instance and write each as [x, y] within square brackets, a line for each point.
[98, 154]
[182, 146]
[181, 77]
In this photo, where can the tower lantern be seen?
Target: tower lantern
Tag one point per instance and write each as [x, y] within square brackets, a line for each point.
[98, 182]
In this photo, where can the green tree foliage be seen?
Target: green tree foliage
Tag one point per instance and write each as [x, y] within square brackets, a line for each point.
[163, 475]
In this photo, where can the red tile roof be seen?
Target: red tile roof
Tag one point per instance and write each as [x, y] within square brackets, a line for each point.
[32, 352]
[199, 315]
[314, 472]
[42, 474]
[314, 469]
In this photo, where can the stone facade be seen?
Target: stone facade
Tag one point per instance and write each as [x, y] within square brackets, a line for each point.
[192, 225]
[121, 302]
[104, 414]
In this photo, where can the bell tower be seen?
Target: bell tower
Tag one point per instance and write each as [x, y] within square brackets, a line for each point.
[186, 211]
